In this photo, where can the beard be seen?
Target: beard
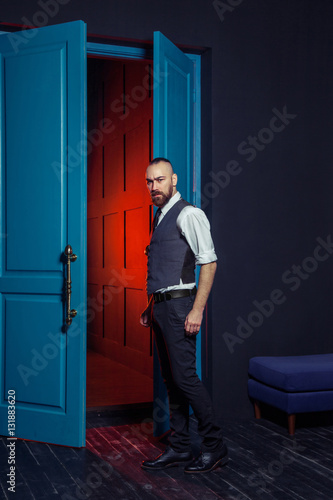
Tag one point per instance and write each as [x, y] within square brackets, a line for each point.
[160, 199]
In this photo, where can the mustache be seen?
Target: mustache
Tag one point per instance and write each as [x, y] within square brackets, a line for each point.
[154, 193]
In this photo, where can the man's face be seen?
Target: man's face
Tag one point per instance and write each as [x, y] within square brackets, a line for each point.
[161, 183]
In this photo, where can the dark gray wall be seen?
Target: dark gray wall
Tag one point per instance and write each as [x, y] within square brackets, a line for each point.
[263, 58]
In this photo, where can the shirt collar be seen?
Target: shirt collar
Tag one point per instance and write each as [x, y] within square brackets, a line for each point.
[173, 200]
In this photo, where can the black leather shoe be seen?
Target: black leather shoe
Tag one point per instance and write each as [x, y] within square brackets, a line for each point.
[208, 461]
[169, 458]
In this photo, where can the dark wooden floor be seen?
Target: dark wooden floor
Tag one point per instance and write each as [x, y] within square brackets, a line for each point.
[264, 464]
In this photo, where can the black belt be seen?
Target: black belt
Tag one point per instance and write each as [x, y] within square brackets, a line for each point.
[174, 294]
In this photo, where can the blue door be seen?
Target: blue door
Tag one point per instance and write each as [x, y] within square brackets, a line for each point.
[43, 200]
[173, 139]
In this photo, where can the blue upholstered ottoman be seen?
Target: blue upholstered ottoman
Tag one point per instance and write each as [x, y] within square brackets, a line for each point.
[294, 384]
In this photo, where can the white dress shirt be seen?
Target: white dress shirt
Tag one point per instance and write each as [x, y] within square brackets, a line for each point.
[194, 226]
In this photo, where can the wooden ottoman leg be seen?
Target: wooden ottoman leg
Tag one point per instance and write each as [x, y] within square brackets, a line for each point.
[291, 424]
[257, 411]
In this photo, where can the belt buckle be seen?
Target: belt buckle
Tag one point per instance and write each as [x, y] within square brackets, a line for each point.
[167, 295]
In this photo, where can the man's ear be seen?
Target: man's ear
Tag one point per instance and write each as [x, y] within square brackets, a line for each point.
[174, 179]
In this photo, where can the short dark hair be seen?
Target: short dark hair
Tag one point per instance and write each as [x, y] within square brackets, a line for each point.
[158, 160]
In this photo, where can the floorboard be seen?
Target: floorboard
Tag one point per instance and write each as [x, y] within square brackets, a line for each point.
[265, 463]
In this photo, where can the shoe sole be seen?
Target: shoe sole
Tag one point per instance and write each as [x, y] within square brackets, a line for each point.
[221, 462]
[174, 464]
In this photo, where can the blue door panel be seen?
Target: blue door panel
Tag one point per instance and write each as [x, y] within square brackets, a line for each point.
[173, 111]
[38, 374]
[177, 124]
[173, 139]
[43, 208]
[39, 107]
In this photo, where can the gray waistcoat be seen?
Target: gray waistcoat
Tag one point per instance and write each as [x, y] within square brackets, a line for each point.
[170, 258]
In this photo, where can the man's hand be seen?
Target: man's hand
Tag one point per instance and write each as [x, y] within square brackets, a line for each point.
[193, 321]
[194, 318]
[145, 318]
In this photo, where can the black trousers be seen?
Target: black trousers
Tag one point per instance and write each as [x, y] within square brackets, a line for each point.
[177, 354]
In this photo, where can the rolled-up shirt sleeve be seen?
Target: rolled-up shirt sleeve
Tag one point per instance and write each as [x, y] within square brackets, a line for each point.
[194, 226]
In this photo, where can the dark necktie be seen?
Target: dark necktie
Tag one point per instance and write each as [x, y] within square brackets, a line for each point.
[156, 218]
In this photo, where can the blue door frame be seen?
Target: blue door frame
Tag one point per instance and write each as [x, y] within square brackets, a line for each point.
[190, 179]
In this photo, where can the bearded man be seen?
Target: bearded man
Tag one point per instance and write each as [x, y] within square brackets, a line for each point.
[180, 240]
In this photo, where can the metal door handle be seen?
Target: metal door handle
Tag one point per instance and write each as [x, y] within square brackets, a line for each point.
[71, 257]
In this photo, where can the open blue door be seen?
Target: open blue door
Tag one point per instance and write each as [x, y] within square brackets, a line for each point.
[173, 139]
[43, 208]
